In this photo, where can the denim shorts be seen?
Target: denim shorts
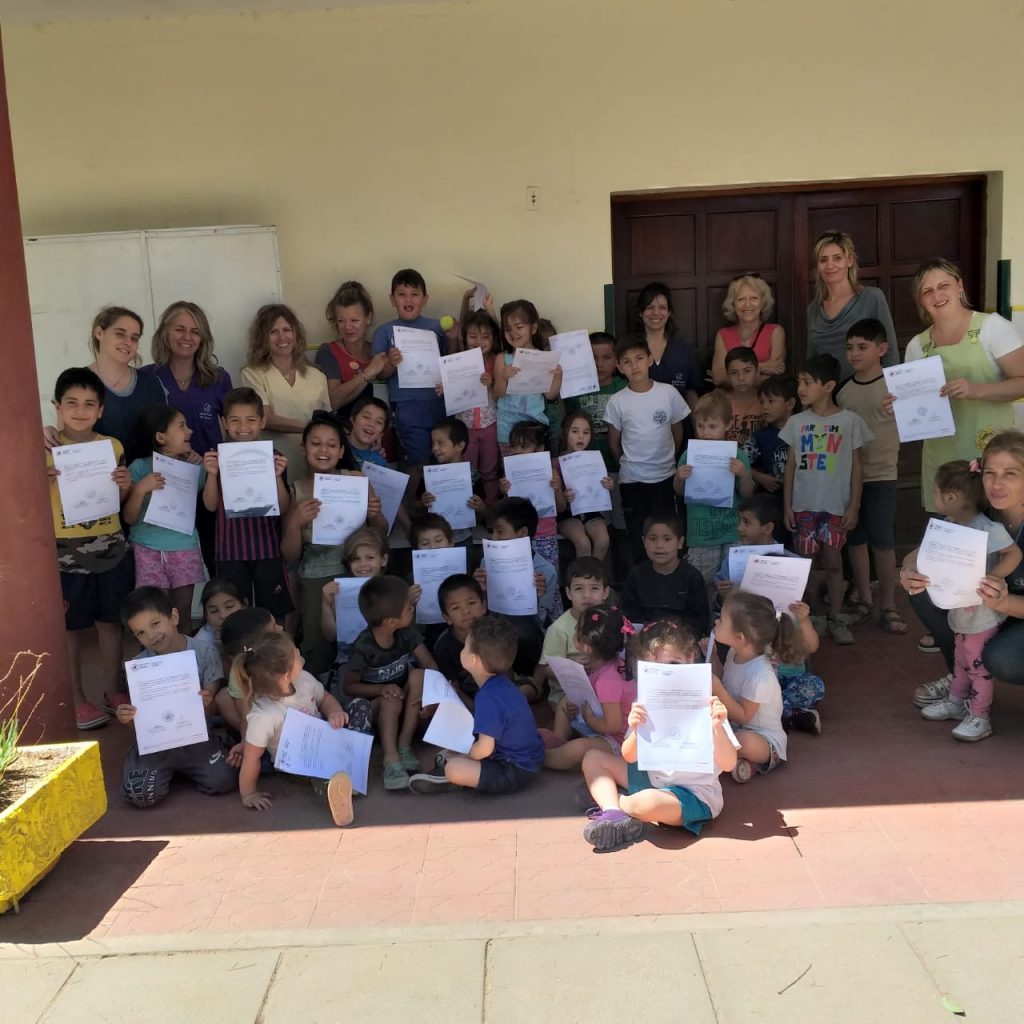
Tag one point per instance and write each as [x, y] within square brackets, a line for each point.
[500, 778]
[876, 524]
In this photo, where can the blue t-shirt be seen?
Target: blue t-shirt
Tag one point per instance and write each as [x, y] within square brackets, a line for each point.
[768, 452]
[501, 711]
[159, 538]
[383, 342]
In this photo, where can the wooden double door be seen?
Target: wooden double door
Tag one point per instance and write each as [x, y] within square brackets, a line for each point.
[697, 242]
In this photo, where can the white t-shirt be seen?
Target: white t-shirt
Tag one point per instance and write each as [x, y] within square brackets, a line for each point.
[998, 338]
[645, 419]
[703, 785]
[266, 719]
[980, 617]
[756, 681]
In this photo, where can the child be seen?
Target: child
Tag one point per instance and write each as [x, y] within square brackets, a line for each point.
[588, 531]
[747, 415]
[152, 619]
[710, 530]
[219, 600]
[480, 330]
[365, 430]
[324, 451]
[802, 690]
[386, 667]
[95, 571]
[749, 688]
[645, 433]
[239, 633]
[272, 681]
[527, 438]
[416, 409]
[864, 392]
[507, 753]
[519, 324]
[779, 400]
[163, 557]
[959, 495]
[665, 586]
[248, 548]
[449, 440]
[462, 600]
[600, 634]
[760, 517]
[586, 585]
[681, 799]
[595, 404]
[822, 483]
[428, 533]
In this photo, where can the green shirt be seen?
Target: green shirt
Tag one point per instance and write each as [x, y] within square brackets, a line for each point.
[706, 526]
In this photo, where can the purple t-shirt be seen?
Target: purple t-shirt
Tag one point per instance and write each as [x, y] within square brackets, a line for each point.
[202, 407]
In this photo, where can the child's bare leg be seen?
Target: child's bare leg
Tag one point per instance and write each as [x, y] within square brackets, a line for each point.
[181, 598]
[753, 746]
[74, 638]
[462, 771]
[227, 708]
[573, 530]
[561, 727]
[885, 566]
[657, 806]
[861, 567]
[111, 653]
[597, 531]
[832, 560]
[564, 759]
[412, 705]
[604, 773]
[389, 714]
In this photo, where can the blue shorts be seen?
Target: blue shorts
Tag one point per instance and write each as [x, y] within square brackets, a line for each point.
[414, 420]
[876, 524]
[694, 811]
[499, 778]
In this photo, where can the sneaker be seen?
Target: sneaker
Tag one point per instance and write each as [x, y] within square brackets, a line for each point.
[946, 710]
[932, 693]
[839, 631]
[88, 716]
[395, 777]
[608, 830]
[426, 783]
[112, 701]
[744, 770]
[807, 720]
[973, 728]
[410, 762]
[820, 624]
[339, 799]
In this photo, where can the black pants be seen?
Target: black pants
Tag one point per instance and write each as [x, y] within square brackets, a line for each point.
[640, 501]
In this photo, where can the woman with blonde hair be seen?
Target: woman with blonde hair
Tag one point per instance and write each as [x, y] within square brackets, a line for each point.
[748, 305]
[279, 372]
[840, 300]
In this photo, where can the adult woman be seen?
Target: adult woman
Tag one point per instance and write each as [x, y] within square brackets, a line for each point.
[748, 305]
[115, 346]
[279, 372]
[984, 362]
[346, 362]
[840, 300]
[674, 360]
[1002, 469]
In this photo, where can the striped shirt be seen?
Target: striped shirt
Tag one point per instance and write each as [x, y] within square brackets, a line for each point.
[244, 538]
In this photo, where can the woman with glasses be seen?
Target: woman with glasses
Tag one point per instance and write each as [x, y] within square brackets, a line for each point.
[840, 300]
[748, 305]
[674, 361]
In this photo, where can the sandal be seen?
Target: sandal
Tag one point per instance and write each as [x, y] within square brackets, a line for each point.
[892, 622]
[857, 612]
[927, 644]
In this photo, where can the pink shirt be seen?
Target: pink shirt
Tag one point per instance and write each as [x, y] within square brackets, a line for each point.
[610, 686]
[762, 340]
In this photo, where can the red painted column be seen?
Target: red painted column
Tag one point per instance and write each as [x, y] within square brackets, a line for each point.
[31, 605]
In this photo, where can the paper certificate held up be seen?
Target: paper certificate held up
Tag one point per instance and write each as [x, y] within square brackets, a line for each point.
[575, 683]
[583, 473]
[389, 485]
[535, 368]
[510, 586]
[169, 710]
[782, 580]
[712, 481]
[310, 746]
[174, 506]
[247, 479]
[677, 736]
[954, 558]
[343, 502]
[430, 568]
[451, 485]
[85, 484]
[460, 375]
[920, 411]
[349, 618]
[530, 477]
[740, 554]
[452, 723]
[576, 357]
[421, 357]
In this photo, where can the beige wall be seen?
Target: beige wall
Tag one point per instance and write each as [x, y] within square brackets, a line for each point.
[401, 135]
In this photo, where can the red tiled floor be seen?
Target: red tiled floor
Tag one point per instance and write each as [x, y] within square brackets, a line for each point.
[882, 808]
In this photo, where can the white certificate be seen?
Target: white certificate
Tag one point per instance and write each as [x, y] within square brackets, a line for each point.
[346, 608]
[169, 710]
[343, 501]
[247, 479]
[920, 411]
[712, 482]
[530, 477]
[582, 473]
[575, 683]
[309, 746]
[174, 507]
[460, 375]
[86, 489]
[954, 558]
[452, 486]
[576, 357]
[782, 580]
[535, 368]
[451, 725]
[677, 736]
[479, 292]
[420, 366]
[510, 586]
[430, 568]
[740, 554]
[389, 485]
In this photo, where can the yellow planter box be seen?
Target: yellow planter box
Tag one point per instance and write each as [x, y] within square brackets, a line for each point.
[39, 827]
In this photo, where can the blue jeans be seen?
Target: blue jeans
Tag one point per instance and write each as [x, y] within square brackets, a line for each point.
[414, 419]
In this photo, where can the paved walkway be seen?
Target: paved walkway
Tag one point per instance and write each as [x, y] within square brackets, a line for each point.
[913, 965]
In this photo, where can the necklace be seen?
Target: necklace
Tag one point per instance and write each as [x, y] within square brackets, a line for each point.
[116, 383]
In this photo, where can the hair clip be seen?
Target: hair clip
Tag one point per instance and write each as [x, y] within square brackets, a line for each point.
[975, 466]
[627, 627]
[595, 617]
[247, 650]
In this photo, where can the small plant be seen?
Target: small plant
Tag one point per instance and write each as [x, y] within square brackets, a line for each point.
[12, 721]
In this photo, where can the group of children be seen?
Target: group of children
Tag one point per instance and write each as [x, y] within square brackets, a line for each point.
[815, 465]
